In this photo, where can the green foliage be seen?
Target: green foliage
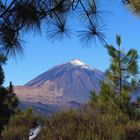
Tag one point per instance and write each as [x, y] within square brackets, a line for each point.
[134, 6]
[1, 75]
[90, 122]
[123, 67]
[19, 126]
[105, 96]
[26, 117]
[93, 96]
[118, 40]
[2, 61]
[20, 16]
[8, 104]
[16, 133]
[108, 97]
[8, 100]
[132, 131]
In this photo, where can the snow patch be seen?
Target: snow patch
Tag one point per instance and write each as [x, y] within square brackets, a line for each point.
[77, 62]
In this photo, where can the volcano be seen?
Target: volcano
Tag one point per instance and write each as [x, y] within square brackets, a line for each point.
[68, 83]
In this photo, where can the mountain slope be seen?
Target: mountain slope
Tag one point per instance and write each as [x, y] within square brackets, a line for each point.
[65, 83]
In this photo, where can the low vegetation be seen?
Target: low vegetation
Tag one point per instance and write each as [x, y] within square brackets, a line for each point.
[105, 117]
[19, 126]
[92, 122]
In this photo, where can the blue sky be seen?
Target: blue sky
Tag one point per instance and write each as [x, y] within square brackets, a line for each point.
[41, 54]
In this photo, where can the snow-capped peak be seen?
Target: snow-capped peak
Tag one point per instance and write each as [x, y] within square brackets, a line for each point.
[77, 62]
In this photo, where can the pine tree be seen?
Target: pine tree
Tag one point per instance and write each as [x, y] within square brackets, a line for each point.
[19, 16]
[11, 89]
[134, 6]
[8, 100]
[2, 61]
[1, 76]
[123, 68]
[122, 80]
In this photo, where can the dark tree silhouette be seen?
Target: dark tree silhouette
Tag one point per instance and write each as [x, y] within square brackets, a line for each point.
[11, 88]
[19, 16]
[8, 100]
[2, 61]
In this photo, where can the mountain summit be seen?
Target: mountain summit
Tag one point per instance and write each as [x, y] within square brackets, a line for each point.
[70, 82]
[77, 62]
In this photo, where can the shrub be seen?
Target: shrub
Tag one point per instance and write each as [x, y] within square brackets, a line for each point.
[8, 105]
[132, 131]
[16, 133]
[85, 124]
[19, 126]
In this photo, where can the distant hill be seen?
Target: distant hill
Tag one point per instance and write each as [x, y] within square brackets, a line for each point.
[68, 84]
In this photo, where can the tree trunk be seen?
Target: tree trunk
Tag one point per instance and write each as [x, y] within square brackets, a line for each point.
[120, 72]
